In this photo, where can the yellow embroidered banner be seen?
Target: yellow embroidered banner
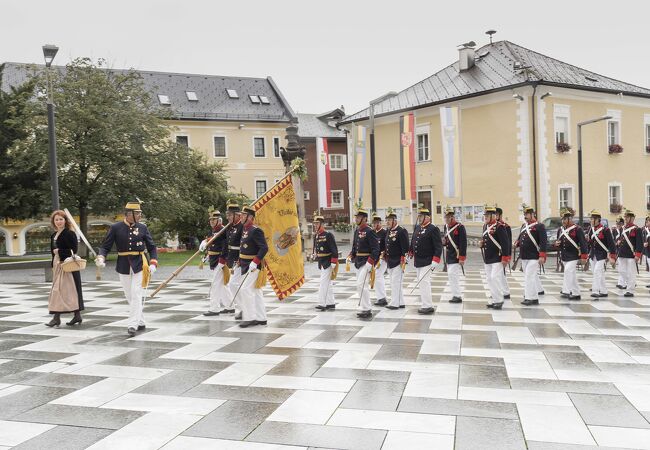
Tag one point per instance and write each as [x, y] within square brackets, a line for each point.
[277, 215]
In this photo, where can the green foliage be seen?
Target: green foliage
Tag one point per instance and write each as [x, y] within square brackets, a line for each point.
[342, 227]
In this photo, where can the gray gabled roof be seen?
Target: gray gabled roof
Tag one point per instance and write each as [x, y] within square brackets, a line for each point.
[318, 125]
[496, 69]
[213, 101]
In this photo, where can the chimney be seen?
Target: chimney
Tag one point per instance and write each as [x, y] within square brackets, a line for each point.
[466, 57]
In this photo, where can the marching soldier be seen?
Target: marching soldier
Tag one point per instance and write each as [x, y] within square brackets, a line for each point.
[496, 249]
[646, 241]
[253, 248]
[131, 238]
[381, 266]
[426, 248]
[365, 253]
[617, 234]
[327, 255]
[502, 275]
[601, 246]
[573, 248]
[397, 247]
[455, 242]
[630, 246]
[233, 239]
[220, 295]
[532, 251]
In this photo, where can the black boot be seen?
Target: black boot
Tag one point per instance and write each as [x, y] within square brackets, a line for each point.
[75, 320]
[55, 322]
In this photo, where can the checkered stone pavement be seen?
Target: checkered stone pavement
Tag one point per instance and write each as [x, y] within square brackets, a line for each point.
[561, 375]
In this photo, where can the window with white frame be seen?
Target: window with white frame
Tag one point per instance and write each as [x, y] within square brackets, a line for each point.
[565, 197]
[164, 99]
[561, 130]
[219, 143]
[336, 199]
[337, 161]
[260, 188]
[191, 96]
[613, 132]
[183, 140]
[647, 196]
[306, 195]
[276, 147]
[259, 147]
[647, 137]
[615, 194]
[422, 140]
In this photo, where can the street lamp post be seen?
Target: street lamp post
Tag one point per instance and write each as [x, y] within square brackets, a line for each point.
[580, 125]
[49, 52]
[373, 176]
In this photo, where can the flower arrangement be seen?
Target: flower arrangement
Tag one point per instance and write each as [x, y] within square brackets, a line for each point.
[615, 208]
[562, 147]
[615, 148]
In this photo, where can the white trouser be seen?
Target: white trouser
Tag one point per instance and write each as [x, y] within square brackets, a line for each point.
[493, 272]
[627, 267]
[233, 285]
[326, 290]
[133, 291]
[570, 281]
[396, 295]
[252, 301]
[380, 281]
[504, 281]
[532, 284]
[453, 279]
[598, 283]
[620, 268]
[220, 294]
[538, 282]
[363, 288]
[424, 274]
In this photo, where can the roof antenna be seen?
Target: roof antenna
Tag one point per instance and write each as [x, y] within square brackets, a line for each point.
[490, 33]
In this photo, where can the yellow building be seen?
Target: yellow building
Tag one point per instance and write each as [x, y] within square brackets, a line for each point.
[240, 121]
[518, 110]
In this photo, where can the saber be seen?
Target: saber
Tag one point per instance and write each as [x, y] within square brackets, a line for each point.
[98, 273]
[462, 267]
[363, 286]
[428, 272]
[240, 285]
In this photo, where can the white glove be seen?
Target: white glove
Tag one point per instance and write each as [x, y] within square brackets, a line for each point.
[368, 265]
[219, 266]
[152, 269]
[434, 265]
[203, 246]
[100, 262]
[252, 267]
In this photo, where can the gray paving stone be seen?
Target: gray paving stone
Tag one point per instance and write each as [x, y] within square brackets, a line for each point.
[570, 361]
[232, 420]
[534, 445]
[79, 416]
[362, 374]
[318, 436]
[186, 364]
[376, 395]
[586, 387]
[137, 357]
[63, 380]
[484, 376]
[299, 366]
[258, 394]
[453, 407]
[63, 437]
[481, 433]
[174, 383]
[389, 352]
[465, 360]
[480, 340]
[32, 397]
[608, 410]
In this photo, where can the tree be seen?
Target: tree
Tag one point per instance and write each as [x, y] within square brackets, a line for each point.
[114, 146]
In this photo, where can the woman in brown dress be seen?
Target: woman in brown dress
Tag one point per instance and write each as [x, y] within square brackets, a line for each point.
[65, 295]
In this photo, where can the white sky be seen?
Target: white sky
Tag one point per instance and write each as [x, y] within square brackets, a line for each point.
[323, 54]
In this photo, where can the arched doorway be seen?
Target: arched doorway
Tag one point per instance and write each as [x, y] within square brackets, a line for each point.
[37, 238]
[4, 242]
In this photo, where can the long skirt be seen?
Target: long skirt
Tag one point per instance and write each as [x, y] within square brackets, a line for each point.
[65, 295]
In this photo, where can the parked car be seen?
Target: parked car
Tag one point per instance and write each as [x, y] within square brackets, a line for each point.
[552, 224]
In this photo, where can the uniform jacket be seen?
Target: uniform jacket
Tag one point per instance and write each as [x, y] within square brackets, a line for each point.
[491, 251]
[365, 246]
[567, 250]
[325, 249]
[426, 245]
[129, 238]
[635, 237]
[397, 246]
[253, 243]
[459, 236]
[527, 249]
[219, 246]
[381, 238]
[233, 240]
[605, 236]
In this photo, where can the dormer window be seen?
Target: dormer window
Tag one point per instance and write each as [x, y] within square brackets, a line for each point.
[264, 100]
[254, 98]
[232, 93]
[191, 96]
[164, 99]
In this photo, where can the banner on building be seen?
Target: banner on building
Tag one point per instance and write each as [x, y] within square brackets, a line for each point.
[407, 156]
[323, 174]
[359, 139]
[450, 132]
[277, 215]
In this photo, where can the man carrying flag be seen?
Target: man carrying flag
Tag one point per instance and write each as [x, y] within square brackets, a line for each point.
[532, 251]
[397, 247]
[455, 242]
[380, 266]
[326, 254]
[220, 295]
[426, 248]
[131, 238]
[364, 254]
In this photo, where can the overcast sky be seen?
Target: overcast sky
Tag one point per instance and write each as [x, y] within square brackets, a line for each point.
[323, 54]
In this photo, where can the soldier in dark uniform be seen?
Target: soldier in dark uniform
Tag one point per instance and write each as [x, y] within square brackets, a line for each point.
[326, 254]
[132, 239]
[573, 248]
[601, 246]
[532, 243]
[380, 266]
[617, 234]
[252, 250]
[426, 249]
[630, 247]
[455, 242]
[220, 295]
[496, 254]
[364, 254]
[646, 241]
[397, 247]
[233, 239]
[502, 274]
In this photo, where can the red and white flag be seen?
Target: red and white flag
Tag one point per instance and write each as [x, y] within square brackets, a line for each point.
[324, 188]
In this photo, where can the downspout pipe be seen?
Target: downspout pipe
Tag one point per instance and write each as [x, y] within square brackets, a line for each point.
[534, 120]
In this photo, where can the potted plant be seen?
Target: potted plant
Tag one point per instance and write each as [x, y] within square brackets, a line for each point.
[615, 208]
[615, 148]
[562, 147]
